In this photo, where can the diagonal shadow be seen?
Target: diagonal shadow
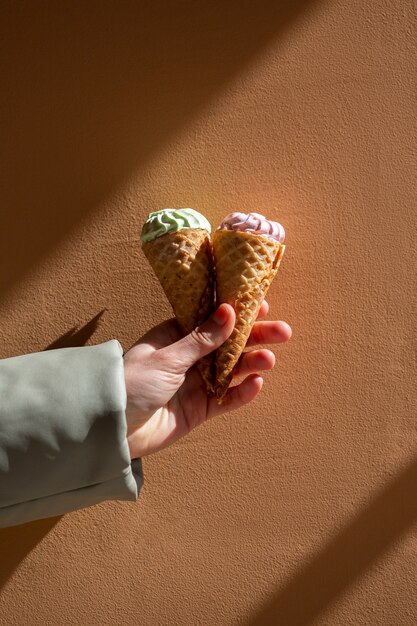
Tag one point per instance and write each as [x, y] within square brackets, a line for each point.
[77, 336]
[91, 90]
[17, 541]
[390, 514]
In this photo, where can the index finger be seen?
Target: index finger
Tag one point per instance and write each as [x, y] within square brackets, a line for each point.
[269, 332]
[263, 311]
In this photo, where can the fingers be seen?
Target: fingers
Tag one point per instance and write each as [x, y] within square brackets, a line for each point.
[263, 311]
[236, 397]
[269, 332]
[256, 361]
[201, 341]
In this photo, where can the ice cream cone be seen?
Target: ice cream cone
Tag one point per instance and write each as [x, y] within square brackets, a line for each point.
[246, 264]
[183, 264]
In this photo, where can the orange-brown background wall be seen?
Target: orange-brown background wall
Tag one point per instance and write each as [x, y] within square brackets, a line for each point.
[302, 508]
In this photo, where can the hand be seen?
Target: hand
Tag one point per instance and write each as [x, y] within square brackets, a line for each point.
[167, 397]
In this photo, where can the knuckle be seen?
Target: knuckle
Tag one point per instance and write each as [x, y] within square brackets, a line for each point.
[201, 337]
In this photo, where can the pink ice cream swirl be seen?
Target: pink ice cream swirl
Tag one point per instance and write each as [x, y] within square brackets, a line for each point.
[253, 223]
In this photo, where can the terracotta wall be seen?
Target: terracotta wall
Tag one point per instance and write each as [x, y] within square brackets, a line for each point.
[303, 507]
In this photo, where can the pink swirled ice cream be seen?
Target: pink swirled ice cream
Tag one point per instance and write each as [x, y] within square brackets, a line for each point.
[253, 223]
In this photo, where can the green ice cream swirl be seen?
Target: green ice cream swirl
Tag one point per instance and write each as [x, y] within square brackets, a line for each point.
[169, 221]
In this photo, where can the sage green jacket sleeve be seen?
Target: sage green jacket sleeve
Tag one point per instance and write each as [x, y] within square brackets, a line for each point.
[63, 439]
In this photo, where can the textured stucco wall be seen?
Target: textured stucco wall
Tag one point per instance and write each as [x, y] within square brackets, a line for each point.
[303, 507]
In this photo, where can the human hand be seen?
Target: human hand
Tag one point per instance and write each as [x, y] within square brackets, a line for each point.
[166, 395]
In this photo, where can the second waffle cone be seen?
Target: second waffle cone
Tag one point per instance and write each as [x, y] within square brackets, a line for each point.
[245, 265]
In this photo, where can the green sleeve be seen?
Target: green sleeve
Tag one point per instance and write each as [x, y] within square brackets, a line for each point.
[63, 439]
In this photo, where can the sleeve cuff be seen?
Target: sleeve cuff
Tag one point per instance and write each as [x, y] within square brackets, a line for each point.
[64, 420]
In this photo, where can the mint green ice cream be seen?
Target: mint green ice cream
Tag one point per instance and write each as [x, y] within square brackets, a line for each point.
[169, 221]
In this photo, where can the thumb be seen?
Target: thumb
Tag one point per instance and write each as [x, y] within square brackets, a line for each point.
[184, 353]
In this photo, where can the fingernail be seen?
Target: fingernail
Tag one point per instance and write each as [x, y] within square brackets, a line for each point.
[220, 316]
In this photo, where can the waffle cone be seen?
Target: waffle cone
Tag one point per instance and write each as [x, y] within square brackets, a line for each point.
[183, 264]
[245, 265]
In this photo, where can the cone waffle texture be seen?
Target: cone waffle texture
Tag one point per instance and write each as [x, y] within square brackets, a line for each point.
[245, 265]
[183, 264]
